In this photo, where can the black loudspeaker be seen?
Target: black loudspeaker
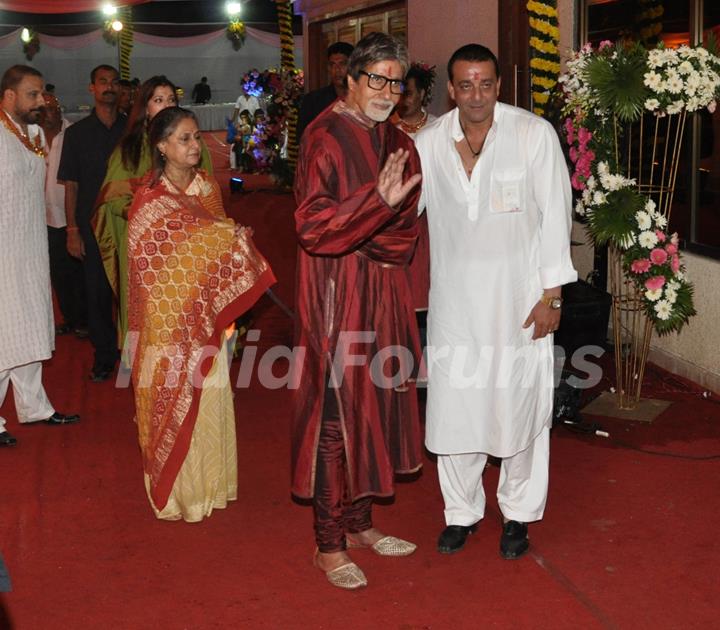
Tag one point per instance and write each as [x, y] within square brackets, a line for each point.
[584, 319]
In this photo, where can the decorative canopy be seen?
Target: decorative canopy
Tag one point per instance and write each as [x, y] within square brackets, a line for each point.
[53, 6]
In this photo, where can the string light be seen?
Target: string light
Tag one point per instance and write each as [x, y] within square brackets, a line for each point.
[25, 35]
[116, 26]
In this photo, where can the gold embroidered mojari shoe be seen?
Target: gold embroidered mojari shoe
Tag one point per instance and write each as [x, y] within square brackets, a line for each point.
[388, 546]
[349, 576]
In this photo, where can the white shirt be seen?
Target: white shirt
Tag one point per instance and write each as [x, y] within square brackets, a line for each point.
[496, 240]
[54, 192]
[247, 102]
[26, 317]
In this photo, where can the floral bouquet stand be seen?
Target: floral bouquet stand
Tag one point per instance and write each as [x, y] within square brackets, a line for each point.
[626, 109]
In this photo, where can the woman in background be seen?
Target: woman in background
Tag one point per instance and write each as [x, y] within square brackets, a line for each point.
[192, 272]
[128, 164]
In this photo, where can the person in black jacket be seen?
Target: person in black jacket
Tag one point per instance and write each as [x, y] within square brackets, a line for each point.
[316, 101]
[202, 93]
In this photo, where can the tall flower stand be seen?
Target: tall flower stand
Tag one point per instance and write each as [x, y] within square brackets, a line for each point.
[632, 331]
[626, 109]
[648, 151]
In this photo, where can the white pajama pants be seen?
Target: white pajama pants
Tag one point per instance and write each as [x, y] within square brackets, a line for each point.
[31, 401]
[522, 487]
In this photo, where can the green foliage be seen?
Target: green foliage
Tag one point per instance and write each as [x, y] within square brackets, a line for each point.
[613, 222]
[618, 83]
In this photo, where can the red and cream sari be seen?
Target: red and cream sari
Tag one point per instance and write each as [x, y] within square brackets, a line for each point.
[192, 272]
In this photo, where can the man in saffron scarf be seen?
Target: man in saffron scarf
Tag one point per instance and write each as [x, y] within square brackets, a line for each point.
[357, 191]
[192, 272]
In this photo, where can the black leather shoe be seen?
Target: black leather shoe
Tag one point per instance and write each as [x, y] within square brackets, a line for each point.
[453, 537]
[61, 418]
[7, 440]
[81, 332]
[62, 329]
[514, 540]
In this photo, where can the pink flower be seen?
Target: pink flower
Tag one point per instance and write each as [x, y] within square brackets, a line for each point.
[573, 154]
[654, 283]
[640, 266]
[605, 43]
[675, 263]
[675, 239]
[658, 256]
[577, 182]
[584, 136]
[569, 130]
[660, 235]
[671, 249]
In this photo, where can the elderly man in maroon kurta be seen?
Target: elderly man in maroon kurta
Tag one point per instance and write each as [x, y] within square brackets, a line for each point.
[355, 416]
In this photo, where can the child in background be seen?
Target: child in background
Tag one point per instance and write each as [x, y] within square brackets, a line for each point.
[243, 133]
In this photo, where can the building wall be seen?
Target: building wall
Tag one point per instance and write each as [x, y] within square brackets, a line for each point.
[437, 29]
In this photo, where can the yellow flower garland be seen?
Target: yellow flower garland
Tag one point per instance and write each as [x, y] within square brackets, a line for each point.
[287, 63]
[545, 60]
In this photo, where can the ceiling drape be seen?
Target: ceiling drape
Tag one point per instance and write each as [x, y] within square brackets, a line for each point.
[57, 6]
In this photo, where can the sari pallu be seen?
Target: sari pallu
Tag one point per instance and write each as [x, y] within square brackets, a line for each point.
[111, 221]
[192, 272]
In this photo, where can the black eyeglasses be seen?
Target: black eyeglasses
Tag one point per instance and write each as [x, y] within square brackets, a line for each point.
[378, 82]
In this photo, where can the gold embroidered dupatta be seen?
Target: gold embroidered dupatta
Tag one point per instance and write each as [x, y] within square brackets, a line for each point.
[192, 272]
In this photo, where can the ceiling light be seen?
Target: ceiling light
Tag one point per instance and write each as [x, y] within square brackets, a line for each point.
[116, 26]
[109, 9]
[25, 35]
[233, 8]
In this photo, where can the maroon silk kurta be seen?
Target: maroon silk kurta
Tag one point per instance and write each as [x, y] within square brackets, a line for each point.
[352, 277]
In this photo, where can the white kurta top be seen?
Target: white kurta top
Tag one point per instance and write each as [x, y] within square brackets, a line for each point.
[250, 103]
[26, 316]
[496, 240]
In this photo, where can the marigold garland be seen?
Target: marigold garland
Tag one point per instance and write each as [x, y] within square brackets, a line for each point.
[236, 34]
[287, 63]
[125, 41]
[545, 58]
[649, 21]
[547, 66]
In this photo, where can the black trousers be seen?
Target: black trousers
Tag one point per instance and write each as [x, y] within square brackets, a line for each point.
[67, 278]
[101, 327]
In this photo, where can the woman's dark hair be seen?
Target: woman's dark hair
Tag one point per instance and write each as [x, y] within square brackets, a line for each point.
[161, 127]
[131, 142]
[424, 80]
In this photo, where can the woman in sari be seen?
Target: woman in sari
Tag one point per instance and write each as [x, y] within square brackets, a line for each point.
[127, 166]
[192, 272]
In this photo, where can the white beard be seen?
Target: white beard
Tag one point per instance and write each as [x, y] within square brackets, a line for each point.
[377, 114]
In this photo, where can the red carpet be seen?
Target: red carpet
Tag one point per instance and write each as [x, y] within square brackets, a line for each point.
[628, 540]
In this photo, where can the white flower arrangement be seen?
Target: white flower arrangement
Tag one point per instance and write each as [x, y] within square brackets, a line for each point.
[664, 82]
[682, 78]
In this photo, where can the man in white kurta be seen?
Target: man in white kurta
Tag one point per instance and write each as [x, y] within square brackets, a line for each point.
[497, 194]
[26, 317]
